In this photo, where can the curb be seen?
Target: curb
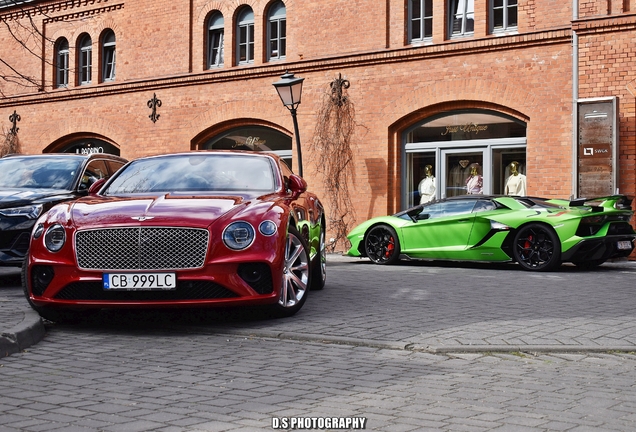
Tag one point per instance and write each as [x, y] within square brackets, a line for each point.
[27, 333]
[408, 346]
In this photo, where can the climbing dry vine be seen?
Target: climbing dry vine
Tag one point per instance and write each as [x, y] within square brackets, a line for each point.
[9, 143]
[332, 153]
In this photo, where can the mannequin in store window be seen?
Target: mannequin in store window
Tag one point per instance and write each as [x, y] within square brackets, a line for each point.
[516, 183]
[475, 182]
[427, 185]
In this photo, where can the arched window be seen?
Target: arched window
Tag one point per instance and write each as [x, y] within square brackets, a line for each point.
[420, 20]
[503, 15]
[85, 59]
[215, 40]
[255, 138]
[277, 31]
[245, 36]
[108, 56]
[462, 17]
[61, 63]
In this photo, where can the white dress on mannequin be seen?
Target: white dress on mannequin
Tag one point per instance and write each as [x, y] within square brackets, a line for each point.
[516, 185]
[427, 189]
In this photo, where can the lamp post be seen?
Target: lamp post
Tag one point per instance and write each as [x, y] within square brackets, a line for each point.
[290, 89]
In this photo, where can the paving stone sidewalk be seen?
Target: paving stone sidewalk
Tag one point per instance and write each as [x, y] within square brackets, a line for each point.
[428, 307]
[20, 326]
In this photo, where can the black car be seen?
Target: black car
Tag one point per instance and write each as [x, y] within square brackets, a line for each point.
[31, 184]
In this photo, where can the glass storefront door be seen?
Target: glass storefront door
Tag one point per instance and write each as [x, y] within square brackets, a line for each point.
[463, 173]
[464, 152]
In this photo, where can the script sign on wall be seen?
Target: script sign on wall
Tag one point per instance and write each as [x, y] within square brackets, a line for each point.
[597, 139]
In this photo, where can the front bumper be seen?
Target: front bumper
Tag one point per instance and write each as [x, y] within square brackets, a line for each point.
[213, 285]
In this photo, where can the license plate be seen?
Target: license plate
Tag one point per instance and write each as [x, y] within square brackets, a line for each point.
[139, 281]
[624, 245]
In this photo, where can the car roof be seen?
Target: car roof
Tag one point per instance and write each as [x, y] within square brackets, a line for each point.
[260, 154]
[215, 151]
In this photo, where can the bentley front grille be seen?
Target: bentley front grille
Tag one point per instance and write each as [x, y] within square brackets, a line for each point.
[141, 248]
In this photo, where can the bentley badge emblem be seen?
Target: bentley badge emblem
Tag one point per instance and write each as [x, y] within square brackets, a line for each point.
[142, 218]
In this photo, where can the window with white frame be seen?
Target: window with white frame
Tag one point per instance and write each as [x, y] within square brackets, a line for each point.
[215, 40]
[277, 31]
[420, 20]
[108, 56]
[245, 36]
[85, 59]
[61, 63]
[503, 15]
[462, 17]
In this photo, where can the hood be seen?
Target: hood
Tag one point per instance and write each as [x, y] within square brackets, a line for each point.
[169, 210]
[16, 197]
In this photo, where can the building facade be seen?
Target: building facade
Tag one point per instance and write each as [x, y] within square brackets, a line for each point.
[444, 87]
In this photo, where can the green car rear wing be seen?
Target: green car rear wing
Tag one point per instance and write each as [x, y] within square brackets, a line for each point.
[619, 202]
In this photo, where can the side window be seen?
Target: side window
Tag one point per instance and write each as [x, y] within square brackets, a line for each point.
[484, 205]
[448, 208]
[420, 20]
[245, 36]
[286, 173]
[85, 51]
[61, 63]
[277, 31]
[114, 166]
[462, 17]
[108, 56]
[215, 30]
[503, 15]
[94, 171]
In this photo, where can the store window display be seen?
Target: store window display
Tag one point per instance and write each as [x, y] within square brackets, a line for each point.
[475, 181]
[516, 183]
[426, 187]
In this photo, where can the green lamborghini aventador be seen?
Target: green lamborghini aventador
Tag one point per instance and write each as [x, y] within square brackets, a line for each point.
[537, 233]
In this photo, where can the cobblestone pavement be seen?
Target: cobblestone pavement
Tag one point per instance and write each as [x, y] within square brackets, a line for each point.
[80, 379]
[416, 346]
[450, 308]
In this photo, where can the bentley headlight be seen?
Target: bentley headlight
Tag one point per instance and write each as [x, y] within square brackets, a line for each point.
[238, 235]
[30, 212]
[267, 228]
[55, 237]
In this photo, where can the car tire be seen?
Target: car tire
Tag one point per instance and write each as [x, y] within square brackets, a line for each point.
[319, 263]
[296, 280]
[381, 245]
[536, 247]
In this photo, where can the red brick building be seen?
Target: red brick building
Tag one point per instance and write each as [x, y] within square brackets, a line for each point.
[450, 84]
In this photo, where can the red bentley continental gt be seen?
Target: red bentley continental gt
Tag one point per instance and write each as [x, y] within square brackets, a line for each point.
[194, 229]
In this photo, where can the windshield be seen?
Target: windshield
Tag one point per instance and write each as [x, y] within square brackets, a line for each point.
[198, 172]
[47, 172]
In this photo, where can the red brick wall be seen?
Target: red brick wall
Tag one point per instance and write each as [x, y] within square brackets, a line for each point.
[160, 49]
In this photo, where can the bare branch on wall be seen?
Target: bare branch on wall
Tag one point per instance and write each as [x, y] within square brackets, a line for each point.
[333, 150]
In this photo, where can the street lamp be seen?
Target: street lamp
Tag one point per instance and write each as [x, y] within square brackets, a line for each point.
[290, 89]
